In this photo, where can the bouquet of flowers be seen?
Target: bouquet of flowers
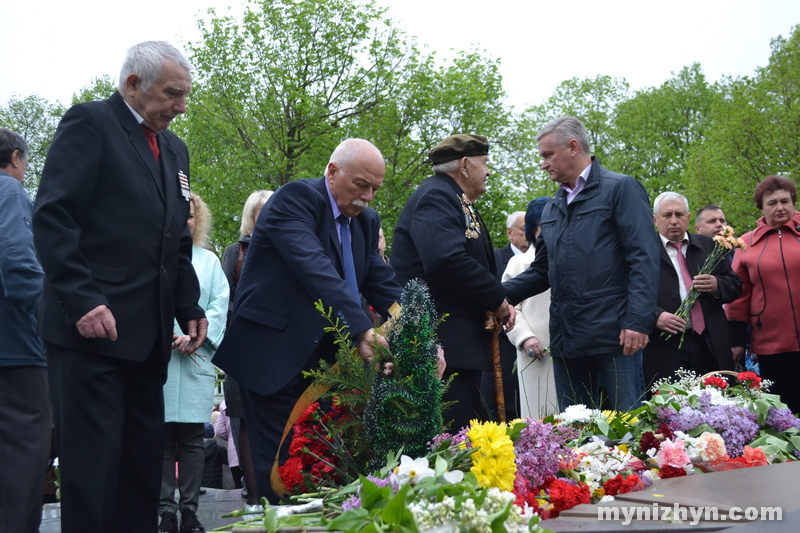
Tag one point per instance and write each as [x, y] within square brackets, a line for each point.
[723, 244]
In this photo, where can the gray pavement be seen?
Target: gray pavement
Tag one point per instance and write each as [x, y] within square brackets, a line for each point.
[213, 505]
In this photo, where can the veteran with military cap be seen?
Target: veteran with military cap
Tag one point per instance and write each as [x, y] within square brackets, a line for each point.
[441, 239]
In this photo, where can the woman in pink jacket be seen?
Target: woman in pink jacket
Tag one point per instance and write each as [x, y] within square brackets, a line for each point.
[770, 300]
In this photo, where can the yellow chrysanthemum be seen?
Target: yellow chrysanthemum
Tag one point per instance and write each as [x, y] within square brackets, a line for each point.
[490, 437]
[495, 471]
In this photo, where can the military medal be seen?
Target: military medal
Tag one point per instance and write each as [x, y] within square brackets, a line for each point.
[184, 181]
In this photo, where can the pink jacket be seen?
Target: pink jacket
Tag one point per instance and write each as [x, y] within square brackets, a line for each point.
[770, 300]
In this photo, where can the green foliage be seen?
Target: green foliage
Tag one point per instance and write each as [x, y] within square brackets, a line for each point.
[655, 129]
[100, 89]
[404, 407]
[36, 120]
[754, 132]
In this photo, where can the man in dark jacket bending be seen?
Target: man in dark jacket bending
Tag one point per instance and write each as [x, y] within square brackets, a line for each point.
[599, 254]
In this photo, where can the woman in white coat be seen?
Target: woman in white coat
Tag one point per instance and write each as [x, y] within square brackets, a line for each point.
[531, 334]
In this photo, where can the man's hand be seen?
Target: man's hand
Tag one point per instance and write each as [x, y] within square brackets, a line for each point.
[198, 329]
[672, 324]
[632, 341]
[506, 315]
[533, 348]
[441, 365]
[180, 341]
[99, 323]
[705, 283]
[365, 341]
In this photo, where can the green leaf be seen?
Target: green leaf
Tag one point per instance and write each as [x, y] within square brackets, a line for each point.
[352, 519]
[397, 511]
[498, 519]
[762, 410]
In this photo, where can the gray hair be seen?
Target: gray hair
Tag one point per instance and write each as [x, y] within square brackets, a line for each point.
[253, 202]
[670, 197]
[513, 217]
[145, 59]
[11, 141]
[350, 150]
[450, 166]
[564, 129]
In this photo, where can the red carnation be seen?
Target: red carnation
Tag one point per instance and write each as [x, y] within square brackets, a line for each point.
[750, 379]
[565, 496]
[291, 473]
[668, 471]
[621, 485]
[715, 381]
[649, 441]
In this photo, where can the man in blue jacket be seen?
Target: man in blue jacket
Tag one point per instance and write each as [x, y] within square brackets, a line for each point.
[599, 255]
[24, 396]
[315, 239]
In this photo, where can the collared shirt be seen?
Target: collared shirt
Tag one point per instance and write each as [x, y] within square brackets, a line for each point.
[516, 250]
[335, 209]
[672, 252]
[136, 115]
[579, 184]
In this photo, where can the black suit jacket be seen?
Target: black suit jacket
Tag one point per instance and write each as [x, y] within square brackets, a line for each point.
[430, 244]
[660, 355]
[110, 229]
[501, 257]
[293, 260]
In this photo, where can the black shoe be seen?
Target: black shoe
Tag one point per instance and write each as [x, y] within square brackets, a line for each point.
[190, 523]
[169, 523]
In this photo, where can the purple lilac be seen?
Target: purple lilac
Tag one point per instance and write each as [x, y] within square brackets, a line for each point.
[353, 502]
[539, 450]
[737, 426]
[381, 482]
[782, 419]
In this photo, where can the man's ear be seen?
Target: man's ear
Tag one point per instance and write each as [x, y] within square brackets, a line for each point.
[132, 82]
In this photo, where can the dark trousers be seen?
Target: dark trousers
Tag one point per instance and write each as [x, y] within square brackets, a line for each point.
[781, 369]
[183, 442]
[109, 417]
[465, 391]
[25, 436]
[695, 354]
[508, 358]
[266, 416]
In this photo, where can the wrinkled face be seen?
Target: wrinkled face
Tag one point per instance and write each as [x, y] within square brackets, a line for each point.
[710, 223]
[164, 100]
[354, 185]
[477, 172]
[558, 161]
[777, 208]
[516, 234]
[672, 219]
[191, 222]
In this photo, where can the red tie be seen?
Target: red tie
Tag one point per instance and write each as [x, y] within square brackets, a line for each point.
[151, 140]
[698, 322]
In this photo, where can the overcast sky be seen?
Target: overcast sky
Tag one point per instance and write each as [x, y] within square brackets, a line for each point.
[53, 48]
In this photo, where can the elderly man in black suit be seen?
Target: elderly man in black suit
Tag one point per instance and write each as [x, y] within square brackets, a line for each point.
[441, 239]
[515, 230]
[110, 229]
[706, 345]
[315, 239]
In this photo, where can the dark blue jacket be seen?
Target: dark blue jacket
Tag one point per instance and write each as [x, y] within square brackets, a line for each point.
[20, 279]
[293, 260]
[599, 255]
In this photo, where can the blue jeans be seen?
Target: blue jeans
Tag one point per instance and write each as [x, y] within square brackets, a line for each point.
[578, 380]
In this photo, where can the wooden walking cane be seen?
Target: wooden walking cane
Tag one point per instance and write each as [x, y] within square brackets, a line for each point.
[500, 399]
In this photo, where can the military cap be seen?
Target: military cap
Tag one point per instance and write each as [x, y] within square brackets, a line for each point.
[458, 146]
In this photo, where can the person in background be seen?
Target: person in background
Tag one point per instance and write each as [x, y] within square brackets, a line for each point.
[24, 395]
[232, 261]
[189, 391]
[770, 300]
[701, 342]
[709, 221]
[531, 335]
